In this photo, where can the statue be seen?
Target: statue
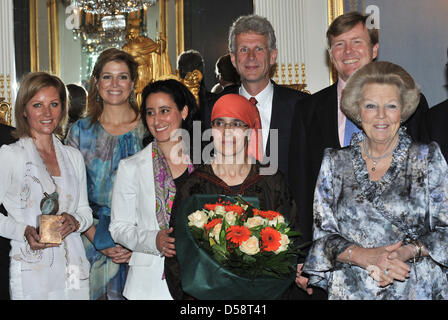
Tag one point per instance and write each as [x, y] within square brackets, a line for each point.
[151, 56]
[193, 82]
[5, 112]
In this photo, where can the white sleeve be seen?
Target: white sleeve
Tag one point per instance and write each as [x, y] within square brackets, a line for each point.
[10, 166]
[83, 212]
[124, 226]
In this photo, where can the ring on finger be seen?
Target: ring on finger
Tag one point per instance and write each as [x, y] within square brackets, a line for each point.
[386, 272]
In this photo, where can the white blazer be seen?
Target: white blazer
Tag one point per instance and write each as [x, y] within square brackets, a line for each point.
[134, 225]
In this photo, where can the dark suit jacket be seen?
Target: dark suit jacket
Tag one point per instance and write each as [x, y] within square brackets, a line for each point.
[5, 138]
[284, 101]
[437, 121]
[316, 128]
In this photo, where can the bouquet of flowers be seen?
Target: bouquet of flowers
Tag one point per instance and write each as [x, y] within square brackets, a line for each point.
[248, 248]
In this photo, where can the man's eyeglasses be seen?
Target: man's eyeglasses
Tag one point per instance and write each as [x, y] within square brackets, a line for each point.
[246, 50]
[235, 124]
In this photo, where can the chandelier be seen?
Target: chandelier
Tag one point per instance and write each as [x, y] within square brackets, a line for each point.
[111, 7]
[102, 23]
[101, 32]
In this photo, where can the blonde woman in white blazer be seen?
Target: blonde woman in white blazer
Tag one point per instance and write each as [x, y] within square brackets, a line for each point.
[40, 175]
[145, 187]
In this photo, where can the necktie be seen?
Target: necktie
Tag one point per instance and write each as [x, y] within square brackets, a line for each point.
[350, 129]
[253, 101]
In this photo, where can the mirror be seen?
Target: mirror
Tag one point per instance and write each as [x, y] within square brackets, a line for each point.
[66, 41]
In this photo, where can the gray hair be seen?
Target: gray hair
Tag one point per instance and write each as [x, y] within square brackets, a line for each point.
[380, 72]
[252, 23]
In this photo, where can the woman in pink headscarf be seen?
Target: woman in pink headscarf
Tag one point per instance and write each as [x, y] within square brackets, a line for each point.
[233, 170]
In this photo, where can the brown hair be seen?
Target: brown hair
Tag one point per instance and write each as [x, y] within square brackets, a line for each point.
[380, 72]
[348, 21]
[29, 87]
[95, 103]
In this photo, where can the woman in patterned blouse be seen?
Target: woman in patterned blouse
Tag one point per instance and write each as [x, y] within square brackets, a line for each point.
[111, 131]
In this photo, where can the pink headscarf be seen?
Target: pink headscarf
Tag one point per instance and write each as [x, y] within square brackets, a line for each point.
[238, 107]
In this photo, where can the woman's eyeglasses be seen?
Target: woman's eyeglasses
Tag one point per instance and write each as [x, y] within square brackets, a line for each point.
[235, 124]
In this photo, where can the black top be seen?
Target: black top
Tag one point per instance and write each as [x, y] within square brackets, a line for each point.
[437, 118]
[180, 180]
[236, 189]
[5, 138]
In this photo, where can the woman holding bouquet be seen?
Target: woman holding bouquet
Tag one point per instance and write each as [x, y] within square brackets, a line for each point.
[146, 185]
[236, 131]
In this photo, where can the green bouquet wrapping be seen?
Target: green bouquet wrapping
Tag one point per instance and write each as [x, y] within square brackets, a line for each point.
[229, 249]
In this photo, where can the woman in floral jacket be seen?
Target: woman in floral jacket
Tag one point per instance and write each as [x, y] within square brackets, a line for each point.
[381, 204]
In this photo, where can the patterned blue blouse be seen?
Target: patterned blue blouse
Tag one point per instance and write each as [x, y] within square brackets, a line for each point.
[102, 152]
[410, 202]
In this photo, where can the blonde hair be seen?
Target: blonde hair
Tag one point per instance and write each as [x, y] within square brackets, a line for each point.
[29, 87]
[380, 72]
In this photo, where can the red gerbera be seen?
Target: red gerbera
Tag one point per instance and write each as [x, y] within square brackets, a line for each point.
[235, 208]
[270, 238]
[238, 234]
[266, 214]
[210, 206]
[212, 223]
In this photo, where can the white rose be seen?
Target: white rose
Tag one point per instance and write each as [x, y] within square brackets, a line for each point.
[220, 210]
[284, 241]
[211, 214]
[230, 217]
[254, 222]
[197, 218]
[250, 246]
[278, 219]
[216, 231]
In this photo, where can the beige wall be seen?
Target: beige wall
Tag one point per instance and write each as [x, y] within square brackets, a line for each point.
[300, 27]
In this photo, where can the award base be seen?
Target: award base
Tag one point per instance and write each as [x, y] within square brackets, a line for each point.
[48, 230]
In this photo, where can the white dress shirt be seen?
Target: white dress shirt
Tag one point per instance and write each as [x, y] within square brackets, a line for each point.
[341, 116]
[264, 106]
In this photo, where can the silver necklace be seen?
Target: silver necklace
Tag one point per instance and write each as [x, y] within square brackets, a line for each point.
[376, 159]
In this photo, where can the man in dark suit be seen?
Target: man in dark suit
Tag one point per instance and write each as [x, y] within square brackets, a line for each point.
[437, 118]
[253, 52]
[437, 121]
[5, 138]
[321, 124]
